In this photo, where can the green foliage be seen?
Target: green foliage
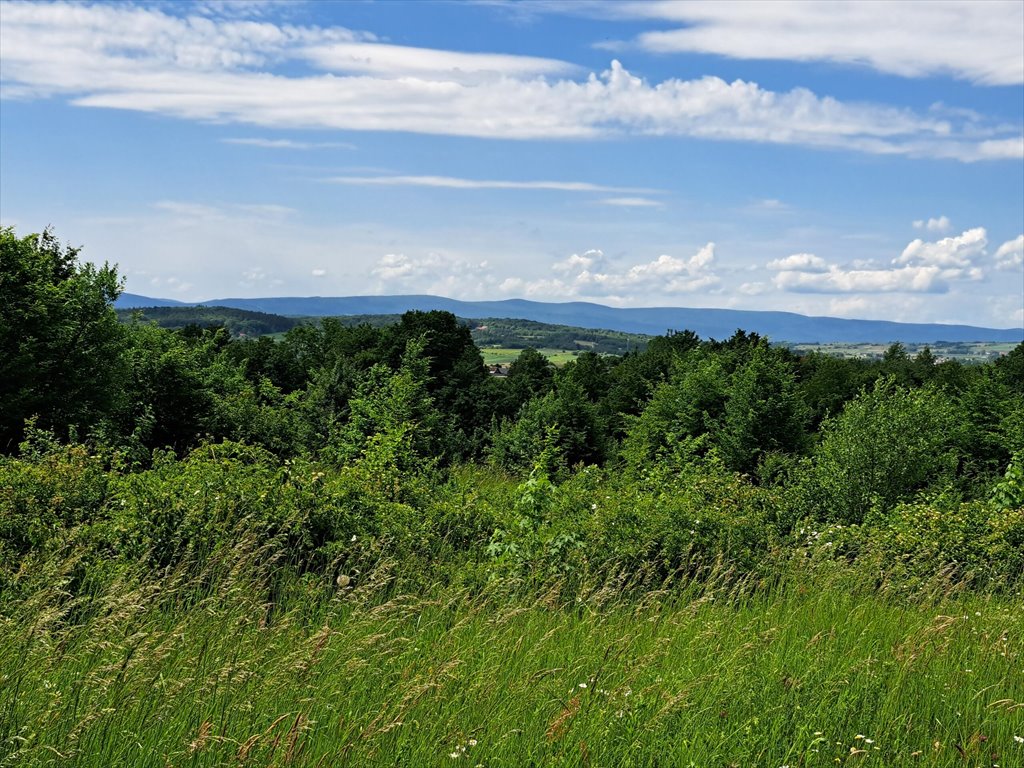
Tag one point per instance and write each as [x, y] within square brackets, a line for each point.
[46, 492]
[59, 337]
[238, 322]
[688, 405]
[763, 412]
[222, 552]
[565, 416]
[973, 544]
[1009, 492]
[886, 445]
[392, 412]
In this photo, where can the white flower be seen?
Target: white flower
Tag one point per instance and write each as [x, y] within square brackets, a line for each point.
[472, 742]
[1019, 739]
[583, 685]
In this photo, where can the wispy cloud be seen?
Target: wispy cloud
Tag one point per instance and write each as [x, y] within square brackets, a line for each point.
[428, 63]
[632, 202]
[213, 69]
[289, 143]
[979, 42]
[451, 182]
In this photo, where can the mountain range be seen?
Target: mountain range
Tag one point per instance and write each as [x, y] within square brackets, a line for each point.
[707, 323]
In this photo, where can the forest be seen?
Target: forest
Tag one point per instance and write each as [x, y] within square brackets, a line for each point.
[354, 545]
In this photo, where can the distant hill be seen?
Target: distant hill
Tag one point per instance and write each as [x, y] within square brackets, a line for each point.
[135, 301]
[708, 323]
[238, 322]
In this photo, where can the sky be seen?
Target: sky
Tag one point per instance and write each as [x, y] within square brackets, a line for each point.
[856, 159]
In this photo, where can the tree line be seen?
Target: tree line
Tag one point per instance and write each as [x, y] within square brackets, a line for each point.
[614, 460]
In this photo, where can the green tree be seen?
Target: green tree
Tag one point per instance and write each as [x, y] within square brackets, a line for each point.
[563, 420]
[530, 375]
[763, 412]
[688, 405]
[886, 445]
[60, 339]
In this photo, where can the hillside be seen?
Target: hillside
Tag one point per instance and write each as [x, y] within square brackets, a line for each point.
[238, 322]
[707, 323]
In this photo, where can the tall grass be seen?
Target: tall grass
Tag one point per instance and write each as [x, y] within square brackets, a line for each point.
[226, 667]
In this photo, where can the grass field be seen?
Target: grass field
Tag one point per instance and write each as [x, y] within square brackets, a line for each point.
[968, 351]
[816, 672]
[504, 356]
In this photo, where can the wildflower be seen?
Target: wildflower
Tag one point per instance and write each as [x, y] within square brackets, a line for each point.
[583, 685]
[472, 742]
[1019, 739]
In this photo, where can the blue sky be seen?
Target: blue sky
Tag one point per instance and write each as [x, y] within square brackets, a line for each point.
[853, 159]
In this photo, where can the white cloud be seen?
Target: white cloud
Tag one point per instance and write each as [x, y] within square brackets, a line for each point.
[393, 61]
[591, 275]
[192, 211]
[980, 42]
[909, 309]
[289, 143]
[229, 71]
[434, 273]
[753, 289]
[958, 251]
[941, 224]
[578, 263]
[838, 280]
[1010, 255]
[632, 202]
[170, 284]
[318, 272]
[769, 205]
[922, 267]
[806, 262]
[451, 182]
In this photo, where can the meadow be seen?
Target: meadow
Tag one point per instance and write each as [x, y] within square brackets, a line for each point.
[814, 670]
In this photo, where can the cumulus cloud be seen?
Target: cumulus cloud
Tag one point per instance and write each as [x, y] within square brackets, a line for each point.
[979, 42]
[941, 224]
[805, 262]
[1010, 255]
[958, 251]
[922, 267]
[592, 275]
[233, 71]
